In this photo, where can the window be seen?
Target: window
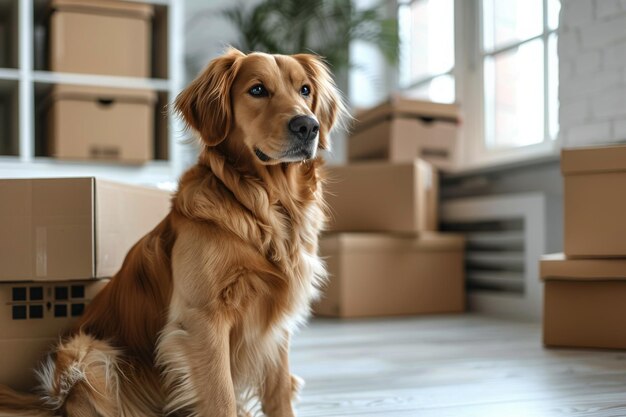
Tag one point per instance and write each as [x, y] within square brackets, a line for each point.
[504, 71]
[427, 49]
[519, 64]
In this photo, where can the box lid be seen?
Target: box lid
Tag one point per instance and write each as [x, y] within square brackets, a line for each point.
[593, 159]
[428, 241]
[558, 267]
[102, 94]
[403, 107]
[139, 10]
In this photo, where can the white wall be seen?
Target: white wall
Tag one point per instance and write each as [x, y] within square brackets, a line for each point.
[592, 71]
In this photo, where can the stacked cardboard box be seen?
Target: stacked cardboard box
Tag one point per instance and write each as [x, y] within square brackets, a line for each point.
[382, 250]
[108, 37]
[401, 130]
[585, 288]
[60, 241]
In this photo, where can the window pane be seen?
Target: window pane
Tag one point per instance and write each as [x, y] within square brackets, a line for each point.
[507, 22]
[553, 86]
[427, 37]
[439, 89]
[514, 97]
[554, 8]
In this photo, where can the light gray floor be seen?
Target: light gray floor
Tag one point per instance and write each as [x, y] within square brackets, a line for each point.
[451, 366]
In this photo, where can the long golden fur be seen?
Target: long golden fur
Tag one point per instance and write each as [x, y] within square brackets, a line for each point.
[198, 319]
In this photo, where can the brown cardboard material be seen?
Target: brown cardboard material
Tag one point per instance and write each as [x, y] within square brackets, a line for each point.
[101, 123]
[594, 201]
[72, 228]
[32, 324]
[401, 130]
[380, 275]
[382, 197]
[101, 37]
[584, 302]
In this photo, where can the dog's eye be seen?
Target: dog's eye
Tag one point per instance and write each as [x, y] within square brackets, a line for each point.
[305, 90]
[258, 91]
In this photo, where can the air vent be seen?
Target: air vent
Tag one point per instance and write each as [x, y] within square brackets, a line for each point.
[494, 259]
[505, 239]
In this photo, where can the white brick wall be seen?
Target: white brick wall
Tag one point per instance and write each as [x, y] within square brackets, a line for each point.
[592, 72]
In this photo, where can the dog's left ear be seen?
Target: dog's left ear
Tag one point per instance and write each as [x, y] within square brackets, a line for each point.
[327, 104]
[205, 104]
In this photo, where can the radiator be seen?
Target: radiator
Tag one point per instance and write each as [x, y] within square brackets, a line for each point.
[505, 239]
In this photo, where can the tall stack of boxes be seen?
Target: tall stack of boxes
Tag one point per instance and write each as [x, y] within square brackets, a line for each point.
[61, 239]
[102, 37]
[382, 248]
[585, 287]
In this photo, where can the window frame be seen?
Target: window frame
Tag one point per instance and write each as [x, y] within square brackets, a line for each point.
[468, 75]
[476, 153]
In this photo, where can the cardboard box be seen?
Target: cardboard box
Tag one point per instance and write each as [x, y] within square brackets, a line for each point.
[101, 123]
[401, 130]
[584, 302]
[594, 181]
[72, 228]
[380, 275]
[101, 37]
[382, 197]
[32, 317]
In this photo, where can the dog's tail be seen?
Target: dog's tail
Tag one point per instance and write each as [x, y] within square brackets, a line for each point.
[80, 379]
[16, 404]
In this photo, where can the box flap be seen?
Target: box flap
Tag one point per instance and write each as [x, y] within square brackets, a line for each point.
[124, 8]
[403, 107]
[558, 267]
[593, 159]
[102, 94]
[429, 241]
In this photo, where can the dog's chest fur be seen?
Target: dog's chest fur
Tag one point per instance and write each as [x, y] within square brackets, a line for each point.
[256, 255]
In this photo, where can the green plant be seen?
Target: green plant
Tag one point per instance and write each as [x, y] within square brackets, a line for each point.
[325, 27]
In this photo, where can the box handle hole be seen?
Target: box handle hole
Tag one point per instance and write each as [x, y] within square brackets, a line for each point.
[105, 101]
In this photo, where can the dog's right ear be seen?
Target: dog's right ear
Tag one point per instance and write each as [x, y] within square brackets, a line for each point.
[205, 104]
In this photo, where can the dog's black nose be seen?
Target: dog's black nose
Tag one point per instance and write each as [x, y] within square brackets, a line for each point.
[304, 127]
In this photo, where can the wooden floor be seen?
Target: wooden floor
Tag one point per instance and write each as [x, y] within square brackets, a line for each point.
[455, 366]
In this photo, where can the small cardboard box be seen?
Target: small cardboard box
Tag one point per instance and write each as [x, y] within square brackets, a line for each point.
[72, 228]
[380, 275]
[594, 201]
[32, 317]
[584, 302]
[101, 123]
[382, 197]
[101, 37]
[401, 130]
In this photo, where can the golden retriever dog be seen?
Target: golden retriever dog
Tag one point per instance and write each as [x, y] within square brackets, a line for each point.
[198, 320]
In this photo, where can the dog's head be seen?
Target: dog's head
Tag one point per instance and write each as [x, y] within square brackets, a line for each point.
[278, 108]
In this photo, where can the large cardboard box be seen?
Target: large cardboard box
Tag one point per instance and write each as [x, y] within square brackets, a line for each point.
[594, 201]
[72, 228]
[32, 317]
[101, 37]
[101, 123]
[380, 275]
[584, 302]
[382, 197]
[401, 130]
